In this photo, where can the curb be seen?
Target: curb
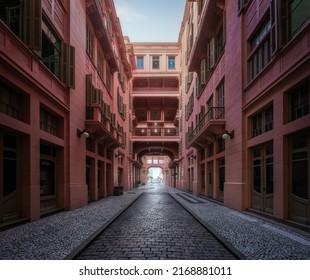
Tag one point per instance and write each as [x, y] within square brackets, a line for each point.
[218, 236]
[75, 252]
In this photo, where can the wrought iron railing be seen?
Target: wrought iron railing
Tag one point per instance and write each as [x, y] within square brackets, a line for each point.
[214, 113]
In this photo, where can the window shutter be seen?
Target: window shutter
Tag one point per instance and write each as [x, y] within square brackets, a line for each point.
[274, 26]
[113, 119]
[212, 53]
[197, 86]
[224, 27]
[88, 90]
[72, 67]
[67, 65]
[32, 33]
[203, 71]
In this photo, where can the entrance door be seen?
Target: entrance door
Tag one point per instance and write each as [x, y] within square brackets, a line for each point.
[202, 179]
[221, 174]
[299, 189]
[48, 182]
[210, 178]
[9, 191]
[191, 178]
[262, 178]
[108, 179]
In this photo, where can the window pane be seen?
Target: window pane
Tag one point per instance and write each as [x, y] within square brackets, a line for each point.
[300, 178]
[155, 62]
[300, 12]
[10, 174]
[47, 177]
[140, 62]
[171, 62]
[257, 178]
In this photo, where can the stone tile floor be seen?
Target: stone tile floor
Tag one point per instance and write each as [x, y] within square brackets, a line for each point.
[61, 235]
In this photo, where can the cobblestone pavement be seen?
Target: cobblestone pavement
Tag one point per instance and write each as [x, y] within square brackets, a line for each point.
[63, 235]
[156, 227]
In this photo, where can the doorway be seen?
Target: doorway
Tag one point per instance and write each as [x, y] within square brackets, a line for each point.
[9, 174]
[299, 183]
[262, 178]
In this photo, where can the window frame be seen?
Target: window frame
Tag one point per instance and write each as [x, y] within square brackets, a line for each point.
[171, 62]
[155, 59]
[139, 63]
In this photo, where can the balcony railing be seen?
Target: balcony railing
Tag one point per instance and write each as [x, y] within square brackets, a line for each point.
[155, 89]
[161, 132]
[214, 114]
[99, 123]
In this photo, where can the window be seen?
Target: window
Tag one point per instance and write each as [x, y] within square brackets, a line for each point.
[299, 165]
[299, 99]
[262, 177]
[48, 121]
[209, 108]
[48, 169]
[171, 62]
[10, 102]
[220, 145]
[140, 62]
[51, 50]
[220, 41]
[57, 56]
[220, 95]
[288, 17]
[242, 4]
[24, 19]
[221, 176]
[260, 50]
[155, 62]
[262, 121]
[108, 79]
[100, 63]
[89, 42]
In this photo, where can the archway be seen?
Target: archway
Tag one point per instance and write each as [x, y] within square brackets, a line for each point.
[155, 175]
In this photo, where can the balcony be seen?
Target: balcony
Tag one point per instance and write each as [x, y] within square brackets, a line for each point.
[99, 125]
[158, 85]
[211, 125]
[103, 32]
[211, 18]
[166, 134]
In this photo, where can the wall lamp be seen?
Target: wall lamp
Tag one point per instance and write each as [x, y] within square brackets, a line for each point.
[119, 156]
[83, 133]
[227, 134]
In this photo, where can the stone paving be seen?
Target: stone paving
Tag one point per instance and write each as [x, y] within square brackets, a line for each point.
[62, 235]
[156, 227]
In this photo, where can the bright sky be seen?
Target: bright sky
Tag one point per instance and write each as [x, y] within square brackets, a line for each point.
[150, 20]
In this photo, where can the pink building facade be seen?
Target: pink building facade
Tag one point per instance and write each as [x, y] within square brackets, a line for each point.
[247, 76]
[63, 127]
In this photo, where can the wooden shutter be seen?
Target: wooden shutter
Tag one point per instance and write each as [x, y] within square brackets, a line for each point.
[67, 61]
[32, 33]
[212, 53]
[71, 67]
[88, 90]
[203, 71]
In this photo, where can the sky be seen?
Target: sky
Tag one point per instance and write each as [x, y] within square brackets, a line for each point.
[150, 20]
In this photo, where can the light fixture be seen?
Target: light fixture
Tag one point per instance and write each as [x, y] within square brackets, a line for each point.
[83, 133]
[227, 134]
[119, 156]
[192, 157]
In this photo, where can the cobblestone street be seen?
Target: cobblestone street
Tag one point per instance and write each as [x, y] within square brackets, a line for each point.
[156, 227]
